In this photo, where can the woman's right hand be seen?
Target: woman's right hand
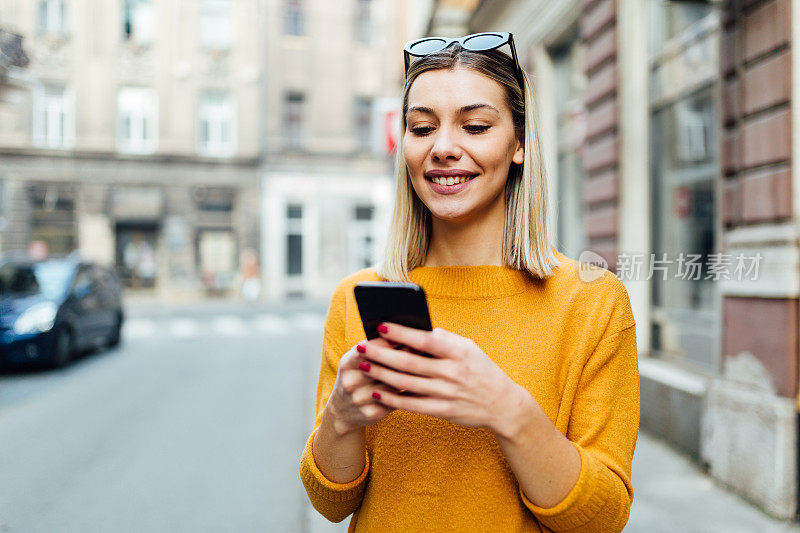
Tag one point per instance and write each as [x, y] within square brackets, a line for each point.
[351, 402]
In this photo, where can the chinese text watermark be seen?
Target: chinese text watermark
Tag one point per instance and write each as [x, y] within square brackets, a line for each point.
[685, 266]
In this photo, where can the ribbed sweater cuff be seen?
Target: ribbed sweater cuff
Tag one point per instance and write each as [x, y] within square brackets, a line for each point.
[315, 480]
[592, 490]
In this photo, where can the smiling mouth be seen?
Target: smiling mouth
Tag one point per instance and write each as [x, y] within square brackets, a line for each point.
[451, 180]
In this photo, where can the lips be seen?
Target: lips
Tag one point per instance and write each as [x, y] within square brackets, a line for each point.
[443, 188]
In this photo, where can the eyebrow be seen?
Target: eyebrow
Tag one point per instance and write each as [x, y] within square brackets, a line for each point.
[461, 110]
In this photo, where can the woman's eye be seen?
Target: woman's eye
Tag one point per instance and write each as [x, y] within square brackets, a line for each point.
[421, 131]
[475, 128]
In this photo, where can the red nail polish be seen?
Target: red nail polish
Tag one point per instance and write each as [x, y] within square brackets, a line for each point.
[363, 365]
[383, 328]
[376, 395]
[361, 348]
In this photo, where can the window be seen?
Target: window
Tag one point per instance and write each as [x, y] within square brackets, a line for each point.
[137, 21]
[363, 122]
[4, 204]
[363, 22]
[293, 120]
[53, 117]
[218, 199]
[294, 239]
[683, 169]
[360, 244]
[216, 124]
[568, 83]
[293, 18]
[216, 253]
[215, 24]
[52, 215]
[137, 120]
[52, 17]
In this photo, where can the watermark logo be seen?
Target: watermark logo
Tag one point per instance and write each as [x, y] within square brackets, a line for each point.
[591, 266]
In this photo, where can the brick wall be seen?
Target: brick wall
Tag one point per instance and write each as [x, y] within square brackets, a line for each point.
[600, 156]
[756, 144]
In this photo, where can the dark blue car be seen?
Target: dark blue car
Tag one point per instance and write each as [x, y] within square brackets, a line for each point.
[53, 309]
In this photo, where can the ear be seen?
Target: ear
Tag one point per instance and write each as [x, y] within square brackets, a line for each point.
[519, 154]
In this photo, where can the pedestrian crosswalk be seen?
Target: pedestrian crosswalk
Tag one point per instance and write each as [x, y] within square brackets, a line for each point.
[223, 325]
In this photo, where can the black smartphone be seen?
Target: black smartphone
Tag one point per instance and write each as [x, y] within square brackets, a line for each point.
[391, 301]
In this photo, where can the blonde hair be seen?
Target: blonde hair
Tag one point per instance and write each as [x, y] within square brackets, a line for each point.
[526, 243]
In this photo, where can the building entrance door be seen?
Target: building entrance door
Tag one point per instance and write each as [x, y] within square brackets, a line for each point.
[135, 255]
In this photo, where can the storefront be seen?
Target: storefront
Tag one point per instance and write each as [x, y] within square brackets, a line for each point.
[172, 238]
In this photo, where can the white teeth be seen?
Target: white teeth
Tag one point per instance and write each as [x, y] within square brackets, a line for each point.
[451, 180]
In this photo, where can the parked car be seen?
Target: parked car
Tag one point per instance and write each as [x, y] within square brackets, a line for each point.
[54, 308]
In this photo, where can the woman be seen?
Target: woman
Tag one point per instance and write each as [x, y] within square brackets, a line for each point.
[527, 416]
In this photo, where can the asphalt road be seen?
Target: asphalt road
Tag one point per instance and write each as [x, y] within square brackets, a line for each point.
[193, 424]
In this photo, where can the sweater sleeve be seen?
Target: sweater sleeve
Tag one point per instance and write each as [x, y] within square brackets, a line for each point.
[603, 427]
[335, 501]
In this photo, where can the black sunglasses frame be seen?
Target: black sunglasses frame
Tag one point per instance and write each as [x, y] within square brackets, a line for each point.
[507, 38]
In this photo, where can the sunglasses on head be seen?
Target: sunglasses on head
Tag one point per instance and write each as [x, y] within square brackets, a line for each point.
[476, 42]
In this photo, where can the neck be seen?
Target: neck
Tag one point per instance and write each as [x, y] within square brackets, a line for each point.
[478, 242]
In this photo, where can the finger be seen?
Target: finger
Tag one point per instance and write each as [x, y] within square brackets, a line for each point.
[404, 381]
[352, 357]
[438, 343]
[354, 380]
[403, 361]
[417, 404]
[386, 343]
[364, 371]
[375, 411]
[364, 395]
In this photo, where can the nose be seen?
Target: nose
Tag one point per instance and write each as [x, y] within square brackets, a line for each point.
[445, 146]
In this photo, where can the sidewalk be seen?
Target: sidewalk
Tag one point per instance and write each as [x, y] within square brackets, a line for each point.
[672, 494]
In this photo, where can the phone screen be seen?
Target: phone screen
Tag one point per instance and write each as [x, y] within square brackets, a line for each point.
[391, 301]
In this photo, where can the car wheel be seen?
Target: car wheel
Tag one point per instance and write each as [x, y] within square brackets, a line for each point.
[114, 338]
[63, 348]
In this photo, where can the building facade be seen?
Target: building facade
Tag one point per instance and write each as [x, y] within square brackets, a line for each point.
[136, 139]
[669, 132]
[328, 168]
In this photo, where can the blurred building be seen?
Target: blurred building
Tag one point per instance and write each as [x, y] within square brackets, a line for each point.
[137, 137]
[331, 121]
[669, 132]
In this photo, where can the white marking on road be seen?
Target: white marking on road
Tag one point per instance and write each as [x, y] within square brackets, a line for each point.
[135, 328]
[229, 325]
[183, 327]
[271, 323]
[309, 321]
[226, 325]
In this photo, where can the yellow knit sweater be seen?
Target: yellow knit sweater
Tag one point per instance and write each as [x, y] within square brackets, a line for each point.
[570, 343]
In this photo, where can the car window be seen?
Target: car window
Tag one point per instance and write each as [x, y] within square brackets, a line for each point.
[83, 278]
[54, 277]
[17, 279]
[50, 278]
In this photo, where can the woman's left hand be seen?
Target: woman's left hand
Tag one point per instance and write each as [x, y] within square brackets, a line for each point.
[460, 383]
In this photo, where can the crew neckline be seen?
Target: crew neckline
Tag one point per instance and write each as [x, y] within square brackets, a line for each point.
[473, 281]
[470, 281]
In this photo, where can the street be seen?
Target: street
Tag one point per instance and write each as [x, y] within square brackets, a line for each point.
[193, 424]
[196, 423]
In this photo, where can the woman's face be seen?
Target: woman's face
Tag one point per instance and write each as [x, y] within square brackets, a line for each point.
[458, 123]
